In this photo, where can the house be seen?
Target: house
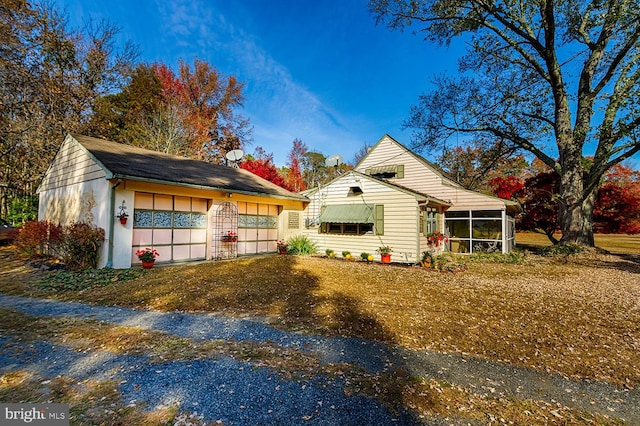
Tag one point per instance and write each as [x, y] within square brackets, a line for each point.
[185, 209]
[394, 197]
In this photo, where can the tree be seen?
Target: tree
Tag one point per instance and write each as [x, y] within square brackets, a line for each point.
[362, 152]
[50, 77]
[191, 114]
[475, 165]
[206, 101]
[539, 203]
[262, 165]
[294, 178]
[617, 207]
[563, 73]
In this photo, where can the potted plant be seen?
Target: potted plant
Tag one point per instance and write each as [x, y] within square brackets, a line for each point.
[428, 261]
[282, 246]
[385, 254]
[148, 257]
[230, 237]
[123, 217]
[366, 257]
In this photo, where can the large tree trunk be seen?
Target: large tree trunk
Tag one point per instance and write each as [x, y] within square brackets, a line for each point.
[575, 208]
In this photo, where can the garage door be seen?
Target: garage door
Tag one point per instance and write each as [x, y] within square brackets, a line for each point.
[175, 226]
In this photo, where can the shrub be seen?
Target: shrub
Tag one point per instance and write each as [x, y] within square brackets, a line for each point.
[330, 252]
[80, 244]
[301, 245]
[561, 250]
[39, 239]
[346, 253]
[364, 256]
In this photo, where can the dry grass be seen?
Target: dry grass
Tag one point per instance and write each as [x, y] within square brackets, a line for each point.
[578, 316]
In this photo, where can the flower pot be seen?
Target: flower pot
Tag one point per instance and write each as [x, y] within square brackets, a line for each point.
[123, 220]
[385, 257]
[148, 264]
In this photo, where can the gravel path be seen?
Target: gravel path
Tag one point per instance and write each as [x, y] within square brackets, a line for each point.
[237, 392]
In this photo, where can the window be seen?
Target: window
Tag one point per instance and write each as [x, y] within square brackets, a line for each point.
[394, 171]
[429, 222]
[352, 219]
[474, 230]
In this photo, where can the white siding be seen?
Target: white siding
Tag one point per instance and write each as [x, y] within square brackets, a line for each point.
[401, 226]
[71, 165]
[421, 178]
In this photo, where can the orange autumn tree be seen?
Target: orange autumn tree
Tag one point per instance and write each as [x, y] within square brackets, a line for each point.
[204, 103]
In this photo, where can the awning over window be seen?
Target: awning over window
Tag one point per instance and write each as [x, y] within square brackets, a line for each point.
[382, 169]
[347, 213]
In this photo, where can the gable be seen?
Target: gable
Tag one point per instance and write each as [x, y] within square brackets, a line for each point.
[71, 165]
[420, 175]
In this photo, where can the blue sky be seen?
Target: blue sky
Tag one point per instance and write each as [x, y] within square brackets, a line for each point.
[320, 71]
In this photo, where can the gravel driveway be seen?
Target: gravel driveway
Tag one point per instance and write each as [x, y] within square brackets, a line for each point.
[236, 392]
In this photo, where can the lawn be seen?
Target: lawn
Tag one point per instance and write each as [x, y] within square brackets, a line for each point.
[577, 315]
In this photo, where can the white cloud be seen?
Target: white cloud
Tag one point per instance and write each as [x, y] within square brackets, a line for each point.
[280, 108]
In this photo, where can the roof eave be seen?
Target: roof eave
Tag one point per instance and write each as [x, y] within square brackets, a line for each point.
[207, 187]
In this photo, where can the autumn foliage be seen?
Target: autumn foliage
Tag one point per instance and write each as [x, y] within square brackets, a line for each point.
[616, 207]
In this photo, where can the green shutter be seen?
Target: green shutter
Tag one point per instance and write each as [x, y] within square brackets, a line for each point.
[400, 171]
[425, 223]
[379, 219]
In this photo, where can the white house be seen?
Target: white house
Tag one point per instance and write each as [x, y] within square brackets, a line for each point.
[181, 207]
[395, 198]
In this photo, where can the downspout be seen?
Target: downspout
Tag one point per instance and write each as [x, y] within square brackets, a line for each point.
[112, 214]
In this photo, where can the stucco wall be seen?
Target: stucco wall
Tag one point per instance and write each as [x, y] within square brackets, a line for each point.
[85, 202]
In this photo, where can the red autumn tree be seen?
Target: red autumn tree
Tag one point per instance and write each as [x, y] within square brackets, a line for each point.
[505, 187]
[262, 165]
[617, 206]
[539, 203]
[294, 174]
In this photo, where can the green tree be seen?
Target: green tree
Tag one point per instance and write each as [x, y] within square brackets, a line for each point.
[539, 74]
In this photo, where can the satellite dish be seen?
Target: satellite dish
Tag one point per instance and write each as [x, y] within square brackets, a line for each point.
[333, 161]
[234, 155]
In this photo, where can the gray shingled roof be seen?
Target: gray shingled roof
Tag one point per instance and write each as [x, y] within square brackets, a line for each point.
[130, 162]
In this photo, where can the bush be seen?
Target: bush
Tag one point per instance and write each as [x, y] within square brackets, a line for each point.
[330, 253]
[80, 245]
[301, 245]
[364, 256]
[76, 245]
[561, 250]
[39, 239]
[346, 253]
